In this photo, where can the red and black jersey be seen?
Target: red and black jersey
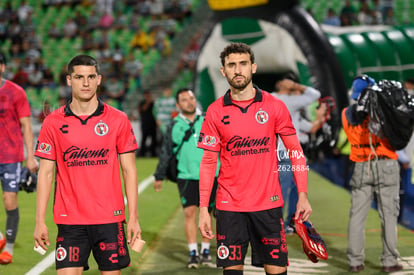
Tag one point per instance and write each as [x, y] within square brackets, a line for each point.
[246, 138]
[88, 184]
[13, 106]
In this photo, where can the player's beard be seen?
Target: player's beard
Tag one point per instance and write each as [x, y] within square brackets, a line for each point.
[189, 111]
[240, 85]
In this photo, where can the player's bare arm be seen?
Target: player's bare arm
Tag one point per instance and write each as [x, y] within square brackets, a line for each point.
[44, 186]
[204, 223]
[129, 173]
[31, 162]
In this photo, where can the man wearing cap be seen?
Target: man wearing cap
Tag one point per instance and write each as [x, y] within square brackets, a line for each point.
[16, 130]
[376, 171]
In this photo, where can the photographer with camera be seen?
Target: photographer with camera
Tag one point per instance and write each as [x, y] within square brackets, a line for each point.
[181, 138]
[376, 171]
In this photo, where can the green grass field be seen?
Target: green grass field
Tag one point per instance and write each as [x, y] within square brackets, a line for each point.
[161, 220]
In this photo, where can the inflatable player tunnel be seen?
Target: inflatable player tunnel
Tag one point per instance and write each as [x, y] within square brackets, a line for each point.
[288, 40]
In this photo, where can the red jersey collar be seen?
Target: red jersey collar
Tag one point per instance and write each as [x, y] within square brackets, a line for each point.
[257, 98]
[99, 110]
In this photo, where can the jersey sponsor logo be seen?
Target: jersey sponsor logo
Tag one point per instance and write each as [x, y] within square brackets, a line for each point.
[223, 252]
[271, 241]
[75, 156]
[44, 148]
[261, 117]
[238, 145]
[64, 128]
[61, 254]
[101, 129]
[107, 246]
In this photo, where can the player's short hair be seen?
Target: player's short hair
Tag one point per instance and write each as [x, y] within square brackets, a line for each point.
[84, 60]
[180, 91]
[236, 48]
[2, 58]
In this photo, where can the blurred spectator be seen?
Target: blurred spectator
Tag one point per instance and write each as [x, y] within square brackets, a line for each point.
[118, 59]
[156, 9]
[106, 21]
[21, 77]
[121, 21]
[140, 40]
[331, 18]
[65, 91]
[365, 14]
[387, 5]
[36, 79]
[105, 6]
[92, 21]
[390, 18]
[7, 12]
[165, 106]
[189, 56]
[24, 10]
[115, 89]
[88, 43]
[46, 110]
[54, 31]
[143, 7]
[3, 28]
[377, 11]
[409, 85]
[348, 13]
[48, 78]
[70, 28]
[148, 126]
[81, 21]
[132, 69]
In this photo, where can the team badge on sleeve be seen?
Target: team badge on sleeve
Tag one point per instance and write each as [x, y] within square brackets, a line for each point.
[209, 141]
[44, 148]
[101, 128]
[262, 117]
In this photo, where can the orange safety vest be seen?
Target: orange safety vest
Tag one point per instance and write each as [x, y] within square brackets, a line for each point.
[358, 137]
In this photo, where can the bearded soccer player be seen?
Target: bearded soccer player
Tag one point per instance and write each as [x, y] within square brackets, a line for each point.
[83, 143]
[243, 128]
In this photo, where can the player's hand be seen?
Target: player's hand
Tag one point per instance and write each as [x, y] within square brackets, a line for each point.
[157, 185]
[133, 231]
[41, 236]
[32, 164]
[303, 207]
[204, 223]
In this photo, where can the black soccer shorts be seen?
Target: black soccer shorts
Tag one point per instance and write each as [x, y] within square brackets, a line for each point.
[263, 230]
[190, 194]
[107, 242]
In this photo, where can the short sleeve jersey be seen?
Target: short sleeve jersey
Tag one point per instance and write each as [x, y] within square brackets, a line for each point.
[247, 140]
[88, 186]
[13, 106]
